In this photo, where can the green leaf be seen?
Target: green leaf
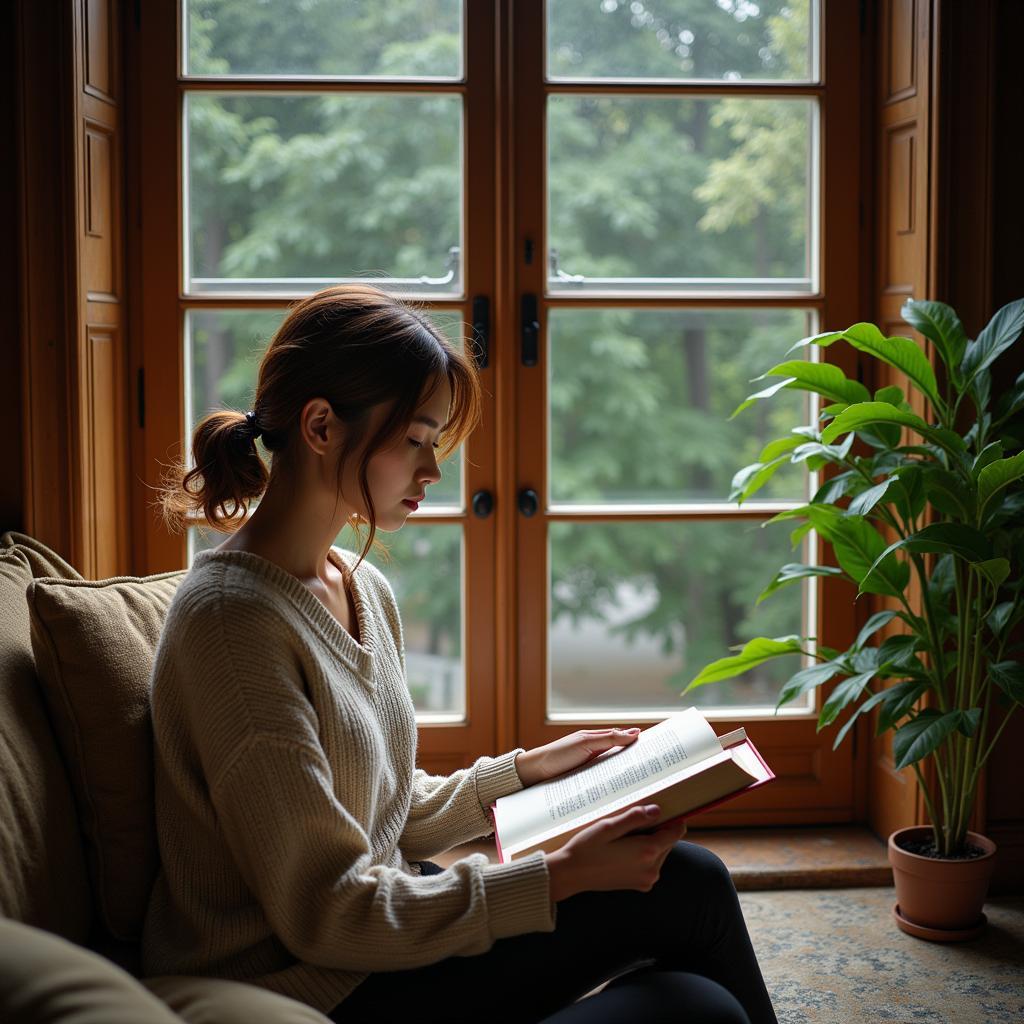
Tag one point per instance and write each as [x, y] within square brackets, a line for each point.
[969, 719]
[861, 551]
[908, 493]
[751, 479]
[898, 651]
[898, 701]
[874, 699]
[867, 500]
[991, 453]
[995, 570]
[947, 493]
[766, 393]
[822, 340]
[1009, 677]
[1000, 616]
[939, 323]
[823, 378]
[754, 653]
[807, 679]
[943, 538]
[901, 353]
[872, 626]
[997, 336]
[835, 487]
[833, 453]
[922, 735]
[846, 692]
[821, 517]
[857, 416]
[994, 477]
[892, 395]
[793, 571]
[777, 447]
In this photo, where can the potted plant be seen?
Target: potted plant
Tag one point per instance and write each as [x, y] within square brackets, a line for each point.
[937, 499]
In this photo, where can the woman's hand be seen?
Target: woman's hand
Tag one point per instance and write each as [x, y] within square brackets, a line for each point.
[602, 856]
[568, 752]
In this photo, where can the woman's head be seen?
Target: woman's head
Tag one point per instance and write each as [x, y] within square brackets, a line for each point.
[361, 360]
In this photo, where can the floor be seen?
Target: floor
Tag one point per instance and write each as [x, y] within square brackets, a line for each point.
[818, 903]
[835, 956]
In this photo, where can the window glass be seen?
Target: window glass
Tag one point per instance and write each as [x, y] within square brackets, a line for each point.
[638, 609]
[640, 402]
[290, 193]
[308, 38]
[692, 194]
[719, 40]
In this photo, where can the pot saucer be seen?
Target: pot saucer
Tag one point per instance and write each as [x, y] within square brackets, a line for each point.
[921, 931]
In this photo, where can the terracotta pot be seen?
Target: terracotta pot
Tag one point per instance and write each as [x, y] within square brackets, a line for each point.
[939, 899]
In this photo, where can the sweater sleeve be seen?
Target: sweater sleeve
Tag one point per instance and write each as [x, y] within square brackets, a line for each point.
[447, 810]
[309, 864]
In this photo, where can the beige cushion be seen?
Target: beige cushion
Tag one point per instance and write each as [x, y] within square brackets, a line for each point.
[43, 880]
[46, 980]
[94, 642]
[44, 562]
[213, 1001]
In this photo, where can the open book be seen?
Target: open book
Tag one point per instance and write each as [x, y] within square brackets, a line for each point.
[679, 764]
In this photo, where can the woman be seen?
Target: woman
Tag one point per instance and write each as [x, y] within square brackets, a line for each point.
[295, 832]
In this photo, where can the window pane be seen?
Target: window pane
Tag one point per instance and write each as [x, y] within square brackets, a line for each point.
[690, 193]
[290, 193]
[661, 385]
[424, 568]
[397, 39]
[725, 40]
[637, 609]
[223, 351]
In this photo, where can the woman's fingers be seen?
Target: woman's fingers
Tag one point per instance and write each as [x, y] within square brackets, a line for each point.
[631, 818]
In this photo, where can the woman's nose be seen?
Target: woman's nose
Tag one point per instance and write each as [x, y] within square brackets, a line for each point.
[431, 471]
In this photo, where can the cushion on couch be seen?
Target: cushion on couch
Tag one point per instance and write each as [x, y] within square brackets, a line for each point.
[45, 979]
[94, 643]
[43, 878]
[218, 1001]
[44, 562]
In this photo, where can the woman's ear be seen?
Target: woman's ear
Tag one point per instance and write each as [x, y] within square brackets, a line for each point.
[318, 426]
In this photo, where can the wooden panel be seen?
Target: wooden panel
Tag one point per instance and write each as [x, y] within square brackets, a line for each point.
[99, 52]
[900, 63]
[98, 251]
[102, 383]
[899, 195]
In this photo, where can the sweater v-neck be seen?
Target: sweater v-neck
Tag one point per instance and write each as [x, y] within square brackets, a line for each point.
[358, 653]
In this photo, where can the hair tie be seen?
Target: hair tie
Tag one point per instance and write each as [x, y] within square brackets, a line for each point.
[250, 419]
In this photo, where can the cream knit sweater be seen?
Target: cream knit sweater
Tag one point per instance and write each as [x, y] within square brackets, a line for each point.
[288, 804]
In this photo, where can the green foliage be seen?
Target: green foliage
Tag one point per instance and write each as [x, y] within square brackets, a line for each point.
[954, 502]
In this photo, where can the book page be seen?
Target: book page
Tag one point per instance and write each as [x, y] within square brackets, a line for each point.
[665, 749]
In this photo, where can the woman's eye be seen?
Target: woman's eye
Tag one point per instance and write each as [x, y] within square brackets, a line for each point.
[419, 444]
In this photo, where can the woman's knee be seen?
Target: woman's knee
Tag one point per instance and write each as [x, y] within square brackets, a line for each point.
[654, 995]
[697, 867]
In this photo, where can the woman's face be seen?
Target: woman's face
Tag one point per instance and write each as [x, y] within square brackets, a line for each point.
[398, 477]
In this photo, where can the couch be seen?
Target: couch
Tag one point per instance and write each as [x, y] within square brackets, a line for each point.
[78, 850]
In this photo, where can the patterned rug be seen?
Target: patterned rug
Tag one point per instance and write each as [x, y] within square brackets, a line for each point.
[835, 956]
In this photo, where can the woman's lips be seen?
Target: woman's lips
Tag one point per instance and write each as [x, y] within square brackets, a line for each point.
[411, 504]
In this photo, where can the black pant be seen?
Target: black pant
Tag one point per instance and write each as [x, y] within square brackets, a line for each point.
[679, 953]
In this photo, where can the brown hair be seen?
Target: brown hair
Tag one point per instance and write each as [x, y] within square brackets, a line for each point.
[354, 346]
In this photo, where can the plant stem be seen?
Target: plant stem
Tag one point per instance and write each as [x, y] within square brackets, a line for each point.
[929, 804]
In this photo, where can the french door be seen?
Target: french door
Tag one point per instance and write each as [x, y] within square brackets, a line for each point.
[627, 211]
